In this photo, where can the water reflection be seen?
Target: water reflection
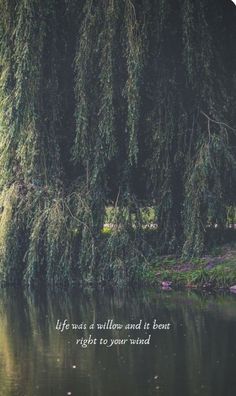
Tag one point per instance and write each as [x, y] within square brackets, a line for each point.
[196, 357]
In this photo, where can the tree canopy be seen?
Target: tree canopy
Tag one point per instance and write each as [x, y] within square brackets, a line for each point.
[113, 106]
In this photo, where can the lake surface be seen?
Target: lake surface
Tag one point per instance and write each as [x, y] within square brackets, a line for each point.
[195, 356]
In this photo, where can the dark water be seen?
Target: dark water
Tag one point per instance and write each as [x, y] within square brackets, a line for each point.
[197, 356]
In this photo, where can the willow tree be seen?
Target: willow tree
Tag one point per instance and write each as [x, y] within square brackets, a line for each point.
[191, 152]
[113, 103]
[33, 214]
[108, 66]
[211, 163]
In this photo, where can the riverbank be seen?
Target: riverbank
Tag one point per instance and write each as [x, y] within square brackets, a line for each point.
[214, 271]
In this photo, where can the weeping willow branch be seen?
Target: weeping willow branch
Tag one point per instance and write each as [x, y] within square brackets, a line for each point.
[134, 69]
[217, 122]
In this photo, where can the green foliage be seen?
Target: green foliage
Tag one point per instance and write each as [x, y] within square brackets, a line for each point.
[113, 112]
[134, 60]
[11, 235]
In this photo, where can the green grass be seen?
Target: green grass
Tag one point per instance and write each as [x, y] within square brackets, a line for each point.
[195, 273]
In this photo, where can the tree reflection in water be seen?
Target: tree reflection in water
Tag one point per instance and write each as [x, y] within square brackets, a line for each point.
[196, 357]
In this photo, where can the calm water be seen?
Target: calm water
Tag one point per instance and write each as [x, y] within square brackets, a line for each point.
[197, 356]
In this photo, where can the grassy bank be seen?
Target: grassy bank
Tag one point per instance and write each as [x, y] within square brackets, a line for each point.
[214, 271]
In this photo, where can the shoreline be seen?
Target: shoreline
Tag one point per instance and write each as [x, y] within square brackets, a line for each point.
[211, 272]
